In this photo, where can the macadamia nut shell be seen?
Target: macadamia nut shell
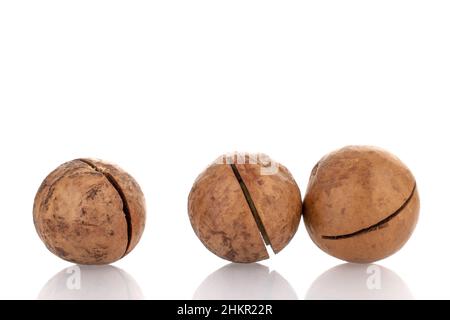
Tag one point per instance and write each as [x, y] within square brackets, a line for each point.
[88, 211]
[237, 207]
[361, 205]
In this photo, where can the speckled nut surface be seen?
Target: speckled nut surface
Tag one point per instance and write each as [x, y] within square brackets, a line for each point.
[88, 211]
[361, 205]
[241, 203]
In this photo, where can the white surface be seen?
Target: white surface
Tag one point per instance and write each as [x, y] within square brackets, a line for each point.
[163, 87]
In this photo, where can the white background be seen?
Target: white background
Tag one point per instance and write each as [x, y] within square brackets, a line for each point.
[164, 87]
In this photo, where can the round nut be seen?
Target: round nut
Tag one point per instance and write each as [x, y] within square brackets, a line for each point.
[242, 202]
[89, 212]
[361, 205]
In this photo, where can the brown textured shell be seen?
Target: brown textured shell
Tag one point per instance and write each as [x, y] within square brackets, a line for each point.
[223, 219]
[88, 211]
[361, 204]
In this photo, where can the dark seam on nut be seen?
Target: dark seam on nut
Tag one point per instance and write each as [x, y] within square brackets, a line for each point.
[252, 206]
[125, 207]
[376, 226]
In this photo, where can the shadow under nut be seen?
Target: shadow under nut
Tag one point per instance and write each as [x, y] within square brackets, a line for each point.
[89, 212]
[234, 210]
[370, 209]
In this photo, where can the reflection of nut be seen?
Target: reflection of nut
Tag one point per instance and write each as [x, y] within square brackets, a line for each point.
[234, 209]
[351, 281]
[89, 212]
[80, 282]
[361, 205]
[245, 282]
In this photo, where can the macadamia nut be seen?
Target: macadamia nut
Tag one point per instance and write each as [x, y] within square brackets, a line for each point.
[243, 202]
[89, 212]
[361, 205]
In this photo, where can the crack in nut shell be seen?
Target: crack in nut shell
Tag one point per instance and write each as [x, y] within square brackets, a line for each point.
[79, 214]
[379, 225]
[221, 217]
[379, 244]
[134, 197]
[353, 189]
[278, 202]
